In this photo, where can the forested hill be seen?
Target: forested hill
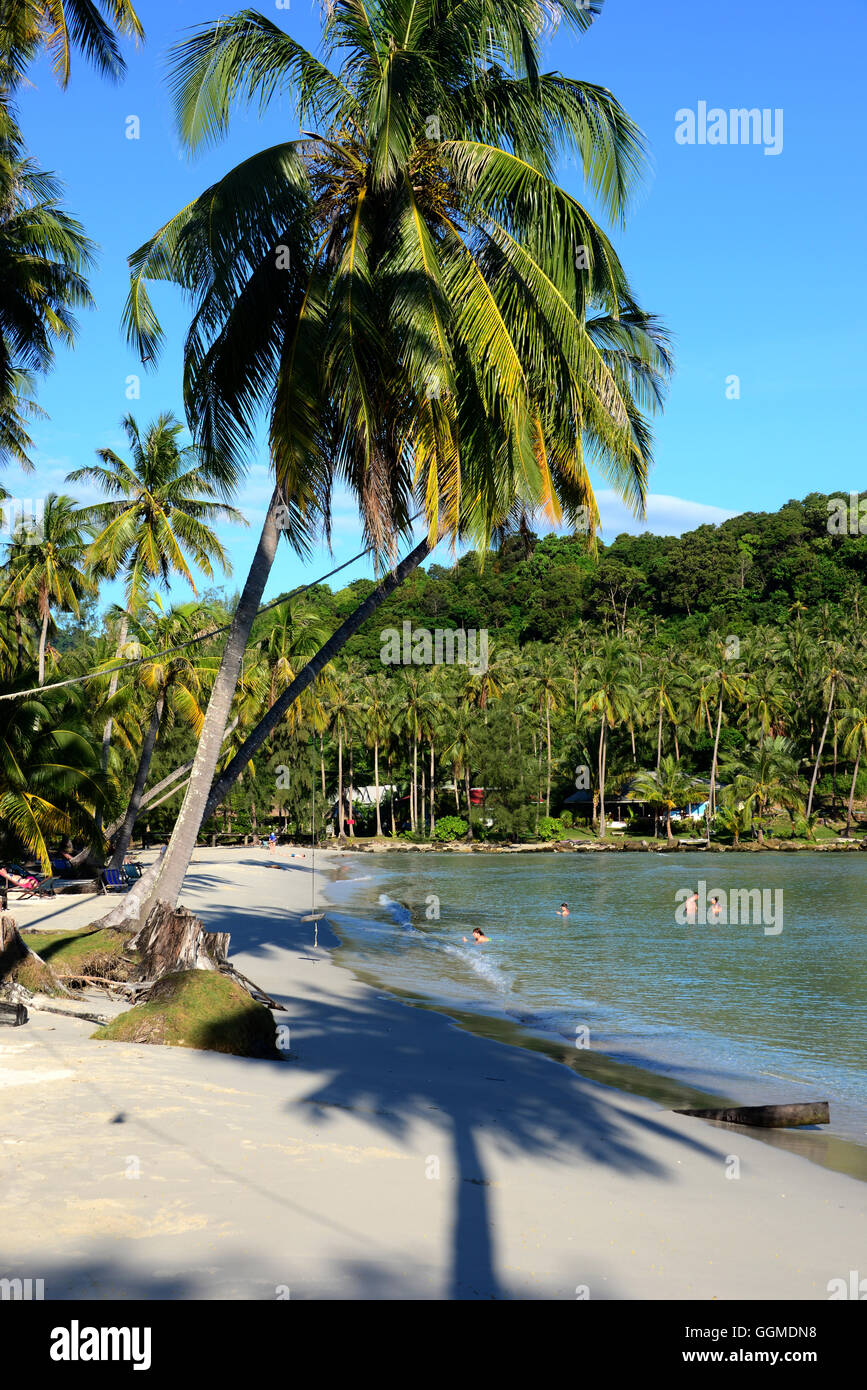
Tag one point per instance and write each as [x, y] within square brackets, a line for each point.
[756, 568]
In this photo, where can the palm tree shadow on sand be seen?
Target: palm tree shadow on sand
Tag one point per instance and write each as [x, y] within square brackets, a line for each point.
[394, 1066]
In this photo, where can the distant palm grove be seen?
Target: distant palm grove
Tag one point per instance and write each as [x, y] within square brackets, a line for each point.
[725, 668]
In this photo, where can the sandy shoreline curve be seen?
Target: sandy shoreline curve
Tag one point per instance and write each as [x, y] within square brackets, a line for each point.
[391, 1154]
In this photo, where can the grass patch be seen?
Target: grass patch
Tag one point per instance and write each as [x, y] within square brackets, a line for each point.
[200, 1009]
[85, 952]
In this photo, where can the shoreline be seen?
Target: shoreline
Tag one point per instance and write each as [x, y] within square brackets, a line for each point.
[386, 846]
[390, 1154]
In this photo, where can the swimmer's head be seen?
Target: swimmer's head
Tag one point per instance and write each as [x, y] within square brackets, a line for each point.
[477, 932]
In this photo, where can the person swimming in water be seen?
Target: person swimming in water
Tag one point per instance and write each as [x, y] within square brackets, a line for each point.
[714, 907]
[563, 910]
[478, 936]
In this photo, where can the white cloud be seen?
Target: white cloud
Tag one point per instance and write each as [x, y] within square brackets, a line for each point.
[666, 516]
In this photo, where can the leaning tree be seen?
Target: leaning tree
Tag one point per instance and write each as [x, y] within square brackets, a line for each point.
[421, 312]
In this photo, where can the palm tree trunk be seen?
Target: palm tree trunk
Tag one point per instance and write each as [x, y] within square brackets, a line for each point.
[376, 785]
[171, 870]
[205, 792]
[351, 789]
[391, 804]
[548, 734]
[659, 742]
[815, 776]
[340, 779]
[602, 778]
[834, 777]
[415, 815]
[327, 653]
[432, 812]
[713, 765]
[144, 767]
[469, 803]
[43, 637]
[112, 690]
[19, 641]
[851, 808]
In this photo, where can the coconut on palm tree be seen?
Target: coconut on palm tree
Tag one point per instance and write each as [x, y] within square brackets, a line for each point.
[419, 309]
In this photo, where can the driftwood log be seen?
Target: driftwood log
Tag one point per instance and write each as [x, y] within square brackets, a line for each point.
[811, 1112]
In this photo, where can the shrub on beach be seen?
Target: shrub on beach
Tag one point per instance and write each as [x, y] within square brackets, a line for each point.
[451, 828]
[551, 828]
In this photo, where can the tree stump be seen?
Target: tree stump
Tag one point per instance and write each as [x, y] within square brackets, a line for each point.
[174, 939]
[19, 966]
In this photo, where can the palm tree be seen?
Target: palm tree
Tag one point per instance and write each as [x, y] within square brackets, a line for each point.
[854, 741]
[44, 255]
[668, 786]
[29, 28]
[548, 691]
[611, 696]
[340, 706]
[167, 688]
[733, 816]
[410, 307]
[460, 751]
[835, 677]
[376, 725]
[47, 566]
[729, 681]
[50, 786]
[157, 521]
[766, 776]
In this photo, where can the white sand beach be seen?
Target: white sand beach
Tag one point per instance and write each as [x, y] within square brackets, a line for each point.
[390, 1155]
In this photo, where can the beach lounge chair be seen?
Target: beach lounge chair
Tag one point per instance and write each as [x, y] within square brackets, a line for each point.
[32, 887]
[114, 878]
[132, 872]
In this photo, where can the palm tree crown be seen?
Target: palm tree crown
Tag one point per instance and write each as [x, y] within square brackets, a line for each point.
[431, 319]
[158, 520]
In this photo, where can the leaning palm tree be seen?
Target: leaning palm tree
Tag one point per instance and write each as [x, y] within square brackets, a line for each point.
[29, 28]
[46, 567]
[156, 524]
[426, 316]
[44, 256]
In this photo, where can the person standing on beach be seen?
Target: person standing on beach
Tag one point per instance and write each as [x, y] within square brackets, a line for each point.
[272, 842]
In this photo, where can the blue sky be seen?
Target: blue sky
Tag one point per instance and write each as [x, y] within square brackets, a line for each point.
[737, 250]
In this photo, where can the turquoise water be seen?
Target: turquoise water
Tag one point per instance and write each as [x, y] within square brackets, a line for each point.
[746, 1010]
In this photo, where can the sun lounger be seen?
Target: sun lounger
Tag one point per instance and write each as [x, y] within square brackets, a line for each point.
[114, 879]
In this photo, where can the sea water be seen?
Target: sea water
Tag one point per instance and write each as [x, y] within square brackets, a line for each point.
[747, 1011]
